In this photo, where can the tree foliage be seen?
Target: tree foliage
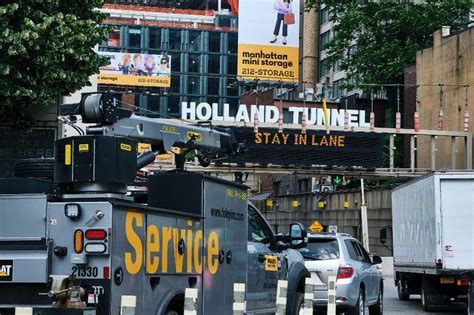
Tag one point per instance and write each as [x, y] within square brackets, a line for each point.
[385, 35]
[46, 50]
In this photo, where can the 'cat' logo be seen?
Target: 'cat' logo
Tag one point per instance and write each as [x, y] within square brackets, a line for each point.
[6, 270]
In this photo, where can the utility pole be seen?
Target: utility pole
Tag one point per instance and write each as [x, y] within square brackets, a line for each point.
[363, 217]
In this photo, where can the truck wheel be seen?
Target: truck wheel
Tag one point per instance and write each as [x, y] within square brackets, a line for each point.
[377, 308]
[38, 168]
[359, 308]
[402, 289]
[171, 312]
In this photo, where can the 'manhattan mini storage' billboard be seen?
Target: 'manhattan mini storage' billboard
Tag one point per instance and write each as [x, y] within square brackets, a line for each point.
[136, 69]
[269, 33]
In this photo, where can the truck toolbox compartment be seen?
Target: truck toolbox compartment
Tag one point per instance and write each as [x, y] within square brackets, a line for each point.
[23, 239]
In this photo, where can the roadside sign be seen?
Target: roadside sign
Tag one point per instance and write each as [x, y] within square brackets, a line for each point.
[316, 227]
[332, 229]
[336, 179]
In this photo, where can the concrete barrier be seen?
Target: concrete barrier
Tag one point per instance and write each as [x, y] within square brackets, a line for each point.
[387, 266]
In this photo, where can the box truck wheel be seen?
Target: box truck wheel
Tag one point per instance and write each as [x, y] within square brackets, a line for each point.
[402, 289]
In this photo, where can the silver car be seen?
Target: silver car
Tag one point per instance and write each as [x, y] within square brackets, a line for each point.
[359, 281]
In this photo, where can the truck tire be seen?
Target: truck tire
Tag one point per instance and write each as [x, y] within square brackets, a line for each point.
[377, 308]
[402, 290]
[171, 312]
[359, 308]
[37, 168]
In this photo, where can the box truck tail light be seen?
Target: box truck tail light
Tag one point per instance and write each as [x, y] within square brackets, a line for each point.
[463, 283]
[95, 234]
[78, 241]
[345, 272]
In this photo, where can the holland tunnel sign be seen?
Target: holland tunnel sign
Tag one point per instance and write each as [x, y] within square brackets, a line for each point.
[313, 148]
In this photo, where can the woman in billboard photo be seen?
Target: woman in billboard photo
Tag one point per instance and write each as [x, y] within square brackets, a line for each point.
[285, 16]
[137, 66]
[125, 66]
[164, 68]
[150, 66]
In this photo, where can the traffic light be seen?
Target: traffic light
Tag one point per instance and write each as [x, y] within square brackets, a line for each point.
[336, 179]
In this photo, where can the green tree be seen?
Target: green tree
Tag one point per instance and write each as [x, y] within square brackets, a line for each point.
[46, 50]
[376, 40]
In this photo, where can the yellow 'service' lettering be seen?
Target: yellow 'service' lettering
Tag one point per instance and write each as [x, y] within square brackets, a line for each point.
[133, 266]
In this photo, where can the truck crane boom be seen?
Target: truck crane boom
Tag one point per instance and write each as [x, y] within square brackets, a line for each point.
[112, 120]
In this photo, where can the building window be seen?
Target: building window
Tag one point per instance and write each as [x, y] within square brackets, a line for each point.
[324, 39]
[194, 43]
[338, 65]
[214, 42]
[213, 85]
[232, 43]
[114, 38]
[175, 83]
[174, 39]
[175, 62]
[194, 84]
[154, 40]
[134, 37]
[173, 105]
[337, 89]
[214, 63]
[324, 68]
[194, 63]
[232, 87]
[232, 65]
[324, 15]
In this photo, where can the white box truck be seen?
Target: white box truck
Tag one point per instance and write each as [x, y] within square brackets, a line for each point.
[433, 238]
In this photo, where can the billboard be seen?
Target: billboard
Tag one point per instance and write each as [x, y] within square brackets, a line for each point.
[290, 147]
[269, 37]
[135, 69]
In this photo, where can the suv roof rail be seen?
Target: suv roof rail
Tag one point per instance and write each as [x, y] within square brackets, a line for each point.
[329, 234]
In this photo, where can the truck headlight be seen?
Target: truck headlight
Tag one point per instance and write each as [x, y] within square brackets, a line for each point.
[72, 211]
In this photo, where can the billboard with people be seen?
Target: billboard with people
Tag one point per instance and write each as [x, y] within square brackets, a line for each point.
[269, 37]
[136, 69]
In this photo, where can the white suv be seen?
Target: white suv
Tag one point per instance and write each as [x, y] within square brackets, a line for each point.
[359, 282]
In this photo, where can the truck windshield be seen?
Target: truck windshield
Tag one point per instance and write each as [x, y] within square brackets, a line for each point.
[321, 249]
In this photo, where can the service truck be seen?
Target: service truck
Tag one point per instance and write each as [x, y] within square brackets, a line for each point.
[433, 239]
[82, 244]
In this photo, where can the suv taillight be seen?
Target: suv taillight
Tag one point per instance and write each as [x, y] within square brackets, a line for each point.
[345, 272]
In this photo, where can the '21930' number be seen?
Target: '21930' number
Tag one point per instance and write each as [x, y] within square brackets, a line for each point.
[85, 272]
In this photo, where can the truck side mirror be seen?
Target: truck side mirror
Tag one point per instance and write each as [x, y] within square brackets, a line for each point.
[298, 235]
[383, 235]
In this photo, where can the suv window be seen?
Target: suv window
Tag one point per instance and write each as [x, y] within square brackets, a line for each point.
[321, 249]
[351, 250]
[359, 252]
[364, 253]
[258, 229]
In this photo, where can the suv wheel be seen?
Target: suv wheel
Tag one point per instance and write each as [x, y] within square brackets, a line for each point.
[359, 308]
[377, 308]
